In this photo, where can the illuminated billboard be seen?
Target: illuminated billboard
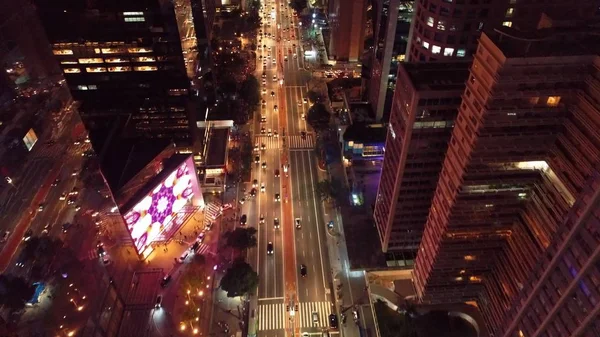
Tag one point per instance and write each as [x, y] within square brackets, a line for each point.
[155, 212]
[30, 139]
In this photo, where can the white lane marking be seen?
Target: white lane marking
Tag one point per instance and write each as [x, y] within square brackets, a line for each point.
[312, 186]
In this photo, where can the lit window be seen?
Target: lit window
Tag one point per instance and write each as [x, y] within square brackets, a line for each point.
[553, 100]
[68, 62]
[418, 39]
[118, 69]
[452, 28]
[521, 334]
[112, 50]
[72, 70]
[116, 60]
[139, 50]
[82, 87]
[448, 51]
[461, 53]
[97, 51]
[401, 58]
[133, 13]
[425, 44]
[507, 23]
[91, 60]
[436, 49]
[144, 59]
[458, 279]
[470, 258]
[92, 87]
[62, 52]
[135, 19]
[509, 12]
[95, 69]
[145, 68]
[441, 25]
[475, 279]
[430, 21]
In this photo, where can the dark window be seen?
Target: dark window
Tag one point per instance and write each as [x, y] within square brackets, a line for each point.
[483, 13]
[444, 11]
[467, 27]
[450, 39]
[432, 8]
[438, 37]
[457, 13]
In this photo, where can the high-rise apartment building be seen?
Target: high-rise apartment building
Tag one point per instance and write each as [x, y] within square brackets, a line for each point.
[510, 202]
[347, 19]
[446, 29]
[390, 39]
[426, 102]
[124, 62]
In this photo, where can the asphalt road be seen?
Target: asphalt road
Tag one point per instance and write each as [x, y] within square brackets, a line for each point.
[310, 294]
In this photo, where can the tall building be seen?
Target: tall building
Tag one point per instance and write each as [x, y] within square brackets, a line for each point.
[446, 29]
[347, 21]
[423, 114]
[390, 39]
[123, 61]
[523, 150]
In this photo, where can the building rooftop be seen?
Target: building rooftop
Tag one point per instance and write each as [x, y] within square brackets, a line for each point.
[366, 133]
[217, 147]
[437, 76]
[557, 41]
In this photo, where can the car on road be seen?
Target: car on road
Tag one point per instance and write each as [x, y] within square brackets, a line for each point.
[264, 102]
[243, 219]
[272, 93]
[262, 187]
[264, 75]
[158, 303]
[256, 159]
[270, 248]
[274, 78]
[269, 133]
[275, 108]
[264, 165]
[303, 116]
[297, 221]
[253, 192]
[263, 146]
[74, 191]
[299, 103]
[333, 321]
[183, 256]
[28, 235]
[242, 200]
[201, 237]
[276, 173]
[276, 223]
[277, 197]
[275, 134]
[165, 280]
[74, 173]
[71, 199]
[41, 207]
[303, 270]
[263, 130]
[55, 182]
[315, 317]
[262, 218]
[63, 196]
[5, 236]
[304, 100]
[303, 134]
[355, 315]
[47, 228]
[255, 183]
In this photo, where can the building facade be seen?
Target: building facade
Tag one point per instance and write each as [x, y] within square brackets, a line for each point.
[123, 61]
[522, 153]
[390, 41]
[347, 20]
[424, 108]
[445, 29]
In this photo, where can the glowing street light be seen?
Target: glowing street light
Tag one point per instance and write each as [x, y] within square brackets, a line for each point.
[182, 326]
[195, 331]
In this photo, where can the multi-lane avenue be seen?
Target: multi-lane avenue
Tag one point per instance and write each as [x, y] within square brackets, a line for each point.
[288, 302]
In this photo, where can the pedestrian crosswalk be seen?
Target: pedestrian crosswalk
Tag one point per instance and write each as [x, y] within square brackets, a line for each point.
[91, 254]
[48, 151]
[212, 212]
[202, 249]
[270, 142]
[276, 316]
[299, 142]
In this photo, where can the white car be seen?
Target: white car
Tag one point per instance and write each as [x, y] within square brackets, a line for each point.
[274, 78]
[262, 187]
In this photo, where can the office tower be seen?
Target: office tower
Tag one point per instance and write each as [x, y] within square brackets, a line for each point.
[522, 152]
[424, 107]
[445, 29]
[347, 24]
[23, 41]
[123, 61]
[391, 32]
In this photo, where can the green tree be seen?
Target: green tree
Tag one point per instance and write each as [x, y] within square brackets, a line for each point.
[298, 5]
[241, 238]
[392, 323]
[239, 279]
[14, 292]
[332, 191]
[249, 91]
[318, 117]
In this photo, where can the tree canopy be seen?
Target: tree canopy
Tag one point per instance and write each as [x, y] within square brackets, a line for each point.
[239, 279]
[298, 5]
[14, 292]
[241, 238]
[249, 90]
[393, 324]
[332, 191]
[318, 117]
